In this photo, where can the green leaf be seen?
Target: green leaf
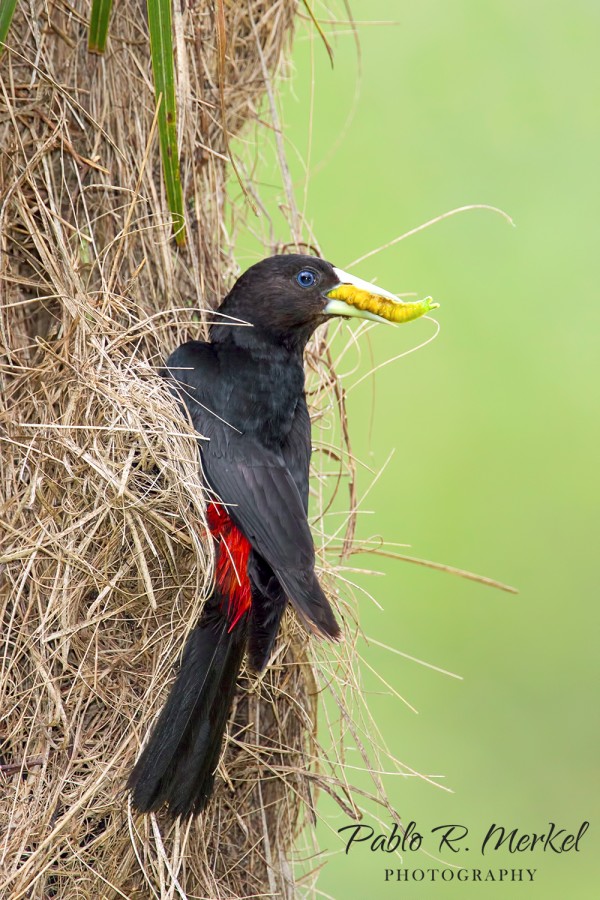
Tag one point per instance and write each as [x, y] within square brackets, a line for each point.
[163, 67]
[99, 25]
[7, 9]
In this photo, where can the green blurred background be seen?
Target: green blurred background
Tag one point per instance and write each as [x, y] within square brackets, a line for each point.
[495, 425]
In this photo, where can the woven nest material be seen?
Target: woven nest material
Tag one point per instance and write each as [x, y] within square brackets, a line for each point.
[104, 557]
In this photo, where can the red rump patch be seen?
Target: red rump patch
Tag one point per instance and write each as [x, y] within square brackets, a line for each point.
[232, 563]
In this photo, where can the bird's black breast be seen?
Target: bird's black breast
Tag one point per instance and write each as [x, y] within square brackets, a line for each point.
[253, 393]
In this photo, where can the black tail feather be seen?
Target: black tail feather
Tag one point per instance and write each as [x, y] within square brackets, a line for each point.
[177, 765]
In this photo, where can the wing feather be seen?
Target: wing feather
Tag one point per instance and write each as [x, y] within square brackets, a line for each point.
[263, 500]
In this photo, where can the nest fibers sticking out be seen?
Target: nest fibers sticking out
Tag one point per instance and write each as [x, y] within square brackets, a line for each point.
[104, 558]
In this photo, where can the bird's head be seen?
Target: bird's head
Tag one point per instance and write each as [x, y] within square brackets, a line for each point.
[286, 297]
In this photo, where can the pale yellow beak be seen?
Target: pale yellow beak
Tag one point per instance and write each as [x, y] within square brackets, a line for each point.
[355, 297]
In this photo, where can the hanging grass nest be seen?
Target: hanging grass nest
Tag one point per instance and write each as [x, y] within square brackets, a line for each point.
[104, 557]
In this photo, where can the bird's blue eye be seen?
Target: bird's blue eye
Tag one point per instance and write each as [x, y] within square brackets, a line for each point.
[306, 278]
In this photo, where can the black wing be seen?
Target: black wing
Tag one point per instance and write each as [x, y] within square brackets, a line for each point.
[263, 500]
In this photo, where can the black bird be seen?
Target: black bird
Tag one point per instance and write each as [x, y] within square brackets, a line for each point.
[244, 391]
